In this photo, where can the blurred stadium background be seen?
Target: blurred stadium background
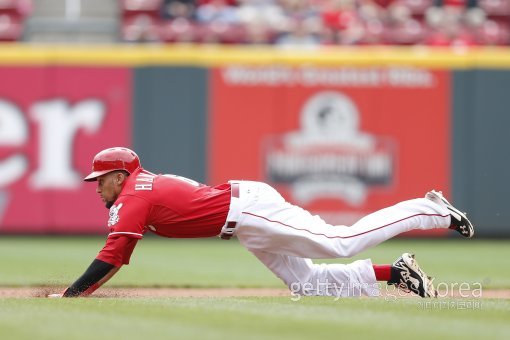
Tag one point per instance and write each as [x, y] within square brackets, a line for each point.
[279, 22]
[345, 106]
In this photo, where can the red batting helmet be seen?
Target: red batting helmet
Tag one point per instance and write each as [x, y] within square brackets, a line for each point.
[113, 159]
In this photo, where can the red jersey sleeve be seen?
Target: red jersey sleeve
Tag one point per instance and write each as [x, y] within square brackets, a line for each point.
[117, 250]
[128, 217]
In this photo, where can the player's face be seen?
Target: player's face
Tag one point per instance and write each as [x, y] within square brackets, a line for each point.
[109, 187]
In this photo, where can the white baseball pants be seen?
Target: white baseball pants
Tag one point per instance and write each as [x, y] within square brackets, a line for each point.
[284, 237]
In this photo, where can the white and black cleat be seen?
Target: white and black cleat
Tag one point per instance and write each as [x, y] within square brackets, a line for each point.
[459, 220]
[407, 275]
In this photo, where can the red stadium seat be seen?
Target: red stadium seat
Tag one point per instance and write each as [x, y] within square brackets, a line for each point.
[374, 33]
[132, 8]
[179, 30]
[408, 33]
[417, 7]
[463, 38]
[140, 28]
[493, 33]
[9, 5]
[16, 8]
[495, 8]
[11, 28]
[222, 33]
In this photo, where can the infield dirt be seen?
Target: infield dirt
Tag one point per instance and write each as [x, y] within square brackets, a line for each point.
[38, 292]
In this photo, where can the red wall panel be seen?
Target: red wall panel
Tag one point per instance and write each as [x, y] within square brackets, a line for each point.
[55, 119]
[341, 142]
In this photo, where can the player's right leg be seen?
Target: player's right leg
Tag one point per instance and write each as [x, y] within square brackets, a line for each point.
[459, 220]
[268, 223]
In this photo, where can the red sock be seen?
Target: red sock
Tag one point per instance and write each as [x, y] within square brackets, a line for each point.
[382, 272]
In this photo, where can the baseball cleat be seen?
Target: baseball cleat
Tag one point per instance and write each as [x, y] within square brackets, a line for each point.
[407, 275]
[459, 220]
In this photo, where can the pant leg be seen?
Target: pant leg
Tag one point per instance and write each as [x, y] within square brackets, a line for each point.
[268, 223]
[304, 278]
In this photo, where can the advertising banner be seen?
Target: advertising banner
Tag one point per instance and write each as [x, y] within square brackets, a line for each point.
[53, 120]
[340, 142]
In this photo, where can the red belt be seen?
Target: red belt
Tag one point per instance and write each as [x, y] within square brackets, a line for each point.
[228, 230]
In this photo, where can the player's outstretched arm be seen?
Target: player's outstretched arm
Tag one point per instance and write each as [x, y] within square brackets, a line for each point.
[114, 254]
[94, 277]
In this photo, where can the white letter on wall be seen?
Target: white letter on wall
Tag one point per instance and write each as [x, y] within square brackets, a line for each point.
[13, 132]
[59, 124]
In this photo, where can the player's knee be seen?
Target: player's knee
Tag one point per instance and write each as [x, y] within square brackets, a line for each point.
[307, 284]
[345, 249]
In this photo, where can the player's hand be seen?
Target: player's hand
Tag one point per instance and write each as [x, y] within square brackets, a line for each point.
[55, 296]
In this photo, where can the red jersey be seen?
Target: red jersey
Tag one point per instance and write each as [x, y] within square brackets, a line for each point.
[167, 205]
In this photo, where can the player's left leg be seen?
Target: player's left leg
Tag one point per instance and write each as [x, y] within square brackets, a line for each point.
[305, 278]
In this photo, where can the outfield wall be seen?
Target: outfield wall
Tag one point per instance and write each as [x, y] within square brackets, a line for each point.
[341, 133]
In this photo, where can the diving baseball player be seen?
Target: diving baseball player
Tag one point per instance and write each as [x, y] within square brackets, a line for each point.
[282, 236]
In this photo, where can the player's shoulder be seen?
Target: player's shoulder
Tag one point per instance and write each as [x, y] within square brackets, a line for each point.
[147, 184]
[140, 181]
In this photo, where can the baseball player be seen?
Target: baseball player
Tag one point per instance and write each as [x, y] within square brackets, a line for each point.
[282, 236]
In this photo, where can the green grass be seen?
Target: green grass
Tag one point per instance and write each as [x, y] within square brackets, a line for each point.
[155, 262]
[32, 261]
[248, 318]
[216, 263]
